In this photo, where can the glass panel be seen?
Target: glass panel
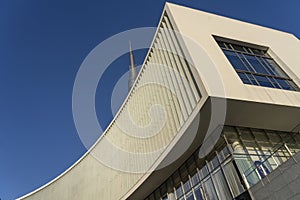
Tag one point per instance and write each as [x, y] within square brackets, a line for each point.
[189, 196]
[177, 183]
[255, 64]
[259, 135]
[276, 69]
[224, 153]
[221, 185]
[195, 179]
[203, 172]
[221, 44]
[252, 79]
[283, 84]
[198, 193]
[246, 134]
[257, 51]
[238, 47]
[228, 46]
[248, 66]
[293, 85]
[214, 163]
[244, 78]
[230, 134]
[178, 191]
[267, 67]
[263, 81]
[261, 168]
[235, 61]
[274, 82]
[274, 137]
[233, 179]
[209, 189]
[271, 163]
[246, 60]
[187, 186]
[246, 168]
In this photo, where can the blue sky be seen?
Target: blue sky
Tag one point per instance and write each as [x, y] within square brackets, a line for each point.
[42, 45]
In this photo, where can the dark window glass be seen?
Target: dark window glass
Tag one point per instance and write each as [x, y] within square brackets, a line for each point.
[190, 196]
[198, 193]
[195, 179]
[221, 44]
[187, 186]
[246, 62]
[258, 52]
[209, 189]
[258, 67]
[179, 191]
[221, 185]
[266, 65]
[284, 84]
[244, 78]
[275, 68]
[274, 82]
[213, 163]
[203, 172]
[238, 47]
[254, 66]
[252, 79]
[224, 153]
[292, 84]
[233, 179]
[235, 61]
[263, 81]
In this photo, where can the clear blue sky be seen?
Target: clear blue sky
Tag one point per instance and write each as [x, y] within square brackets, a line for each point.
[42, 45]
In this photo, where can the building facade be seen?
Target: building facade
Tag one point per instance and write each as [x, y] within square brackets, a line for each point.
[230, 120]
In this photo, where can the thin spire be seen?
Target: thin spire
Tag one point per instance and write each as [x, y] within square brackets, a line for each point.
[132, 68]
[132, 65]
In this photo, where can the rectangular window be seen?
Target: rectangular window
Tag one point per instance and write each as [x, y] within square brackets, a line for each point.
[255, 66]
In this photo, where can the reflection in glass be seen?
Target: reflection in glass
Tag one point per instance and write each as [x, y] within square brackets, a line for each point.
[221, 185]
[241, 158]
[255, 66]
[233, 179]
[209, 189]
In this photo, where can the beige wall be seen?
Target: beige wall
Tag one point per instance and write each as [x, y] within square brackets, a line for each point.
[200, 26]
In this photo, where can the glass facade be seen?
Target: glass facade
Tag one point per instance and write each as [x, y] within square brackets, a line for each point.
[241, 158]
[256, 67]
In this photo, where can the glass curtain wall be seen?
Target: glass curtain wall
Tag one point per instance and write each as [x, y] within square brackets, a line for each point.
[241, 158]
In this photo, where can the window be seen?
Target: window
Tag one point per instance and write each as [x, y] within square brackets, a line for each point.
[254, 65]
[241, 158]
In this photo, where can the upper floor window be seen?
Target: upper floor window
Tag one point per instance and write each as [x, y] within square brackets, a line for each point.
[255, 66]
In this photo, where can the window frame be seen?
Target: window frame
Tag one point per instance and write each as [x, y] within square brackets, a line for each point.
[242, 52]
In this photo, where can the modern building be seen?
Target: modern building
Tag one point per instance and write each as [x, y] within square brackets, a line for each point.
[230, 123]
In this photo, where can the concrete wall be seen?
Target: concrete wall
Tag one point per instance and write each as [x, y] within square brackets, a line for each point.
[200, 28]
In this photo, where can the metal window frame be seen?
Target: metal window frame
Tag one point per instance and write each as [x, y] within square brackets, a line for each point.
[228, 44]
